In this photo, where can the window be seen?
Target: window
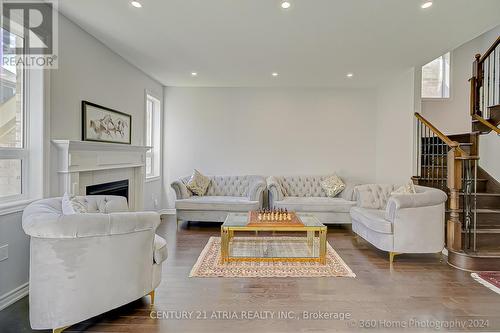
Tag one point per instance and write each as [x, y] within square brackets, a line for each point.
[436, 78]
[153, 137]
[13, 150]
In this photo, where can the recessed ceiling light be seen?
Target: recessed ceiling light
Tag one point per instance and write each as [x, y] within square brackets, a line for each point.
[136, 4]
[194, 74]
[349, 75]
[274, 74]
[286, 5]
[426, 4]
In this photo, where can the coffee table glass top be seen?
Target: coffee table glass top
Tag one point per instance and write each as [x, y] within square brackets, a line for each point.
[240, 220]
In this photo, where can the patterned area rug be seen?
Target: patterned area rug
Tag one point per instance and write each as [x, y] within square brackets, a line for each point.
[490, 280]
[208, 265]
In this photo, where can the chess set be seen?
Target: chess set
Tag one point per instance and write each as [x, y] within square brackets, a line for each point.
[273, 217]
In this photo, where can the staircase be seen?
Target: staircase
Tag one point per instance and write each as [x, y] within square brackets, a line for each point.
[433, 173]
[450, 163]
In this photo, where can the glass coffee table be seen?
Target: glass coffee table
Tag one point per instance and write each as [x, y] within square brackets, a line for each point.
[307, 244]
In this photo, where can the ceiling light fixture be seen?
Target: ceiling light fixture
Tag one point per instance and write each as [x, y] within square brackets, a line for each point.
[136, 4]
[194, 74]
[274, 74]
[349, 74]
[286, 5]
[426, 4]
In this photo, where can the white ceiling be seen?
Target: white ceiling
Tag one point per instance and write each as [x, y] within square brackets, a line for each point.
[241, 42]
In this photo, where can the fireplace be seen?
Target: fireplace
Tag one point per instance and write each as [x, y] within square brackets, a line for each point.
[119, 188]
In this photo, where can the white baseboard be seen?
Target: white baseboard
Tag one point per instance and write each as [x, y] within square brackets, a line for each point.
[13, 296]
[170, 211]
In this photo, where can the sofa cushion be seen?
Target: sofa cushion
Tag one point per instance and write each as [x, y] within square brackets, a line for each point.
[332, 185]
[315, 204]
[71, 205]
[198, 183]
[160, 252]
[409, 188]
[372, 219]
[225, 203]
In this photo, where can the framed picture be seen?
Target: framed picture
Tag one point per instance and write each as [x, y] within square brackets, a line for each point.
[105, 125]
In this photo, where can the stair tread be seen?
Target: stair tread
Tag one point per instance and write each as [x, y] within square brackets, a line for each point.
[484, 194]
[488, 231]
[482, 211]
[485, 253]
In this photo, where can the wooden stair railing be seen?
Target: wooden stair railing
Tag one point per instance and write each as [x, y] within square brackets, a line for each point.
[433, 170]
[485, 90]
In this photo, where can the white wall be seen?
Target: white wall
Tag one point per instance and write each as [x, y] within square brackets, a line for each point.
[394, 123]
[452, 116]
[269, 131]
[489, 153]
[88, 70]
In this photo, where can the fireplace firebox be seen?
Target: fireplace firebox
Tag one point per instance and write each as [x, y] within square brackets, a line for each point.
[119, 188]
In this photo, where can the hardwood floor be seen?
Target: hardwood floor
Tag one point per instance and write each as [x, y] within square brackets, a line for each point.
[418, 287]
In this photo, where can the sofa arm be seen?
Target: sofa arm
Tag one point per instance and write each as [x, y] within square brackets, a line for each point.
[181, 191]
[430, 197]
[275, 190]
[256, 189]
[49, 225]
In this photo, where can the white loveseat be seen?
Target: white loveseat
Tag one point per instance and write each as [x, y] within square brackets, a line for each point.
[225, 194]
[305, 194]
[400, 223]
[83, 265]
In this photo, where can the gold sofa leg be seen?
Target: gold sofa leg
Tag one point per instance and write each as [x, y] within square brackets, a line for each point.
[392, 255]
[152, 295]
[59, 330]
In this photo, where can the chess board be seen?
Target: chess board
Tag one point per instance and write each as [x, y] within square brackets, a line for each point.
[253, 221]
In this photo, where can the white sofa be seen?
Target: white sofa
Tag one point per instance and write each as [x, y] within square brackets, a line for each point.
[83, 265]
[225, 194]
[400, 223]
[305, 194]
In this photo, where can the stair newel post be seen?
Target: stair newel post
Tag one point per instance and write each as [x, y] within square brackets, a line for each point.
[454, 181]
[475, 84]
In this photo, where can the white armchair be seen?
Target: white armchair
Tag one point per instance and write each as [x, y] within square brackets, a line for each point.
[83, 265]
[400, 223]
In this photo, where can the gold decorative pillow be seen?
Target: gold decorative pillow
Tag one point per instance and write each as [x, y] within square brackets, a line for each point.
[332, 185]
[406, 189]
[198, 183]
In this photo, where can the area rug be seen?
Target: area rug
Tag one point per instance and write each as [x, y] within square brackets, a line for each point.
[209, 265]
[490, 280]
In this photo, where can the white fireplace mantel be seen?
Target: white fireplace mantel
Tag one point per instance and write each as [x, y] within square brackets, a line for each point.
[84, 163]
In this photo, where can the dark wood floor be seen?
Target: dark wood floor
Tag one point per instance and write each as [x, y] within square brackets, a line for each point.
[418, 287]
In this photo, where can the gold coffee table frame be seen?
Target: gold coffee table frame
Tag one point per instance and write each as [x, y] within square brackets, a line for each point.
[227, 235]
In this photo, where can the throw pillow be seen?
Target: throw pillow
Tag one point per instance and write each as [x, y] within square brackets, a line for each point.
[332, 185]
[406, 189]
[198, 183]
[71, 205]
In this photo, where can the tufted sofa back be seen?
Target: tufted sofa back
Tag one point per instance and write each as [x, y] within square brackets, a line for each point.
[302, 186]
[103, 204]
[374, 196]
[234, 186]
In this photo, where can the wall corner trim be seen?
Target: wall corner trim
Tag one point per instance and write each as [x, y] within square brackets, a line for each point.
[14, 295]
